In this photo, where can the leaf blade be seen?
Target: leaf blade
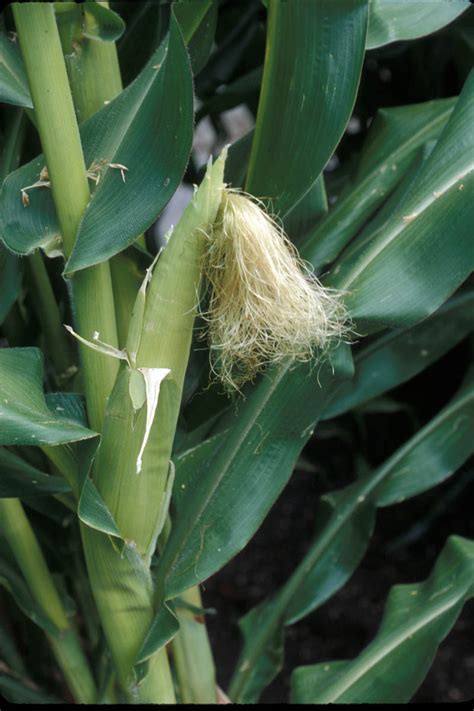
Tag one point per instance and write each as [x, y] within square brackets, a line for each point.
[245, 474]
[140, 131]
[344, 524]
[411, 266]
[416, 620]
[25, 416]
[399, 355]
[393, 140]
[388, 24]
[13, 81]
[312, 71]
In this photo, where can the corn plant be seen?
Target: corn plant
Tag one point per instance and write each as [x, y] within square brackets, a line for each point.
[154, 402]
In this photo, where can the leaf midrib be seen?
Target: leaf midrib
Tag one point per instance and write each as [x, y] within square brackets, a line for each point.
[340, 687]
[426, 201]
[222, 470]
[397, 155]
[121, 135]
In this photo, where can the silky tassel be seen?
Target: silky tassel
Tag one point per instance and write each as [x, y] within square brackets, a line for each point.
[264, 304]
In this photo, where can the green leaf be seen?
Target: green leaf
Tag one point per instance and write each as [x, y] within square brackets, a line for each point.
[94, 512]
[22, 691]
[19, 479]
[27, 419]
[236, 92]
[412, 265]
[399, 355]
[398, 195]
[197, 21]
[92, 509]
[148, 21]
[312, 71]
[72, 406]
[158, 106]
[391, 21]
[307, 213]
[164, 627]
[101, 23]
[17, 587]
[427, 459]
[25, 416]
[262, 655]
[147, 129]
[237, 160]
[222, 497]
[435, 453]
[92, 20]
[345, 521]
[337, 556]
[416, 619]
[412, 275]
[146, 25]
[13, 81]
[10, 279]
[392, 143]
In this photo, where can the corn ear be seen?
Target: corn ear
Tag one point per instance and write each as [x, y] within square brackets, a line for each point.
[159, 340]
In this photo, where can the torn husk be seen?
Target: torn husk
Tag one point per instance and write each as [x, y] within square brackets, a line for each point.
[265, 305]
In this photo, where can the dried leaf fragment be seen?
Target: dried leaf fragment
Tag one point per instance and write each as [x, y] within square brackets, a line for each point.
[123, 169]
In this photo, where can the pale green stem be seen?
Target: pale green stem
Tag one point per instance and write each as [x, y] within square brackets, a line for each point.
[126, 282]
[192, 655]
[94, 77]
[59, 134]
[126, 609]
[94, 74]
[67, 649]
[94, 312]
[54, 110]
